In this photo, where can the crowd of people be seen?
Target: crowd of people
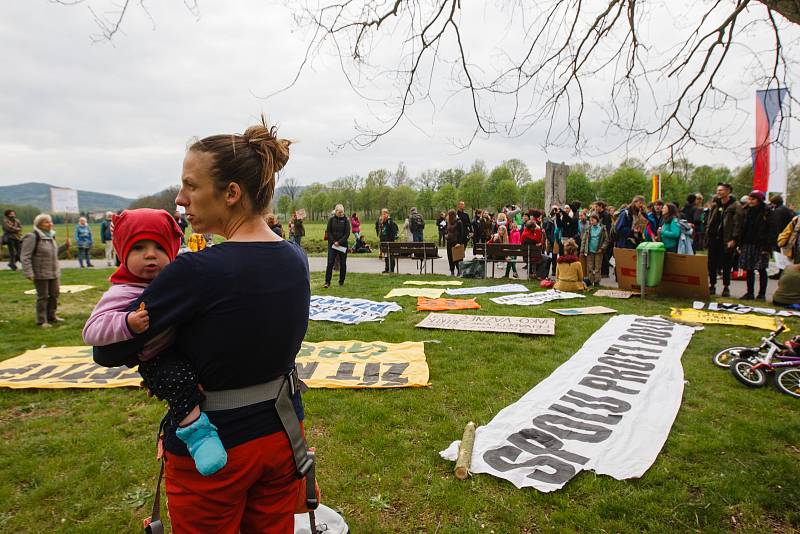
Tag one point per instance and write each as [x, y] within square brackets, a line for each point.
[577, 242]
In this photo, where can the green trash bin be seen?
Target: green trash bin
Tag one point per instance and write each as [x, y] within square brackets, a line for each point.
[650, 275]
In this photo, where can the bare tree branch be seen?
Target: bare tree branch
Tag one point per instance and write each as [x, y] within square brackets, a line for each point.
[547, 83]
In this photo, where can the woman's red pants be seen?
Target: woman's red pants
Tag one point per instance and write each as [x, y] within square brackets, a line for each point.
[256, 491]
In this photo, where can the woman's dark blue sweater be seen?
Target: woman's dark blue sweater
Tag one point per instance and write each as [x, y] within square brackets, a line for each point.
[240, 312]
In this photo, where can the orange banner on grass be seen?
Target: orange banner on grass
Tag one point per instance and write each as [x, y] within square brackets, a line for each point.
[424, 303]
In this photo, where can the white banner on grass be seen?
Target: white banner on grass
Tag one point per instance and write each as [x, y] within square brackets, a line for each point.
[490, 323]
[349, 311]
[534, 299]
[609, 408]
[480, 290]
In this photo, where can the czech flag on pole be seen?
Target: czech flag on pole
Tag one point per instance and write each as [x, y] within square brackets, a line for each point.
[772, 136]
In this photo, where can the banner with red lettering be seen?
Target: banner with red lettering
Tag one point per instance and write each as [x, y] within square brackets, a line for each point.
[609, 408]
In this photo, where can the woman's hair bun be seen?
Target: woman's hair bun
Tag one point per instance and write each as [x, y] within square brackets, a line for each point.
[252, 160]
[264, 139]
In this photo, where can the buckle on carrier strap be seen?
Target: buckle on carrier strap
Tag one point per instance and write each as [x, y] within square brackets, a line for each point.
[282, 390]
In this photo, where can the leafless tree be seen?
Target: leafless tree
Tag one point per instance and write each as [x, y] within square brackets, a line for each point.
[566, 46]
[400, 176]
[566, 58]
[109, 21]
[427, 179]
[290, 188]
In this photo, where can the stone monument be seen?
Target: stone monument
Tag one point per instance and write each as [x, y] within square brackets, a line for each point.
[555, 185]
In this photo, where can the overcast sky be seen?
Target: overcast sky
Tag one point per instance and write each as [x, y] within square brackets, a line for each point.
[116, 117]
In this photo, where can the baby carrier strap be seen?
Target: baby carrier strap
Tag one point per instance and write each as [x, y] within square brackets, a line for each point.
[153, 524]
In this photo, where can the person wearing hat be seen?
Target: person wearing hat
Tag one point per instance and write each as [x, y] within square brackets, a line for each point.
[720, 238]
[147, 240]
[755, 244]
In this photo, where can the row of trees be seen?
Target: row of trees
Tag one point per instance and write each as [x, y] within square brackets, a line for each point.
[511, 183]
[436, 190]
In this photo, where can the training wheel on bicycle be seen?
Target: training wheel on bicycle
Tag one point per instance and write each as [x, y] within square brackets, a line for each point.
[723, 358]
[788, 381]
[746, 373]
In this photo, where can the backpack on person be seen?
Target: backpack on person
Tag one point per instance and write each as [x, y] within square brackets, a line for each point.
[36, 239]
[416, 222]
[623, 221]
[685, 238]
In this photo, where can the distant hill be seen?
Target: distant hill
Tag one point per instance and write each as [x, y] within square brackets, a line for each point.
[38, 194]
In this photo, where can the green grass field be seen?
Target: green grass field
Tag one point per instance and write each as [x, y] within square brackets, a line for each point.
[82, 461]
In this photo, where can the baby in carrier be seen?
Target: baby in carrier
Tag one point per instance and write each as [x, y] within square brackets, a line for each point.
[146, 240]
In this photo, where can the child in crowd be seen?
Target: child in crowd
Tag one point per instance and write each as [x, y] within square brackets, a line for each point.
[355, 226]
[593, 247]
[502, 237]
[514, 238]
[569, 271]
[146, 240]
[534, 235]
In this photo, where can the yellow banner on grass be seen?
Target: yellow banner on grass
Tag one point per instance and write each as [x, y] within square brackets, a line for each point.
[63, 367]
[690, 315]
[428, 292]
[327, 364]
[363, 364]
[433, 283]
[65, 289]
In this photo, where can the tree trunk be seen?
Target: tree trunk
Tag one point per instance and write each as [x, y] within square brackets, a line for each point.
[790, 9]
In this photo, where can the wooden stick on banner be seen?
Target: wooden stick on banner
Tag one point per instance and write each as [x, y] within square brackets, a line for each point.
[464, 460]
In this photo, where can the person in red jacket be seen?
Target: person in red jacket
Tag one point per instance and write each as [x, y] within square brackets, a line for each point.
[355, 225]
[533, 233]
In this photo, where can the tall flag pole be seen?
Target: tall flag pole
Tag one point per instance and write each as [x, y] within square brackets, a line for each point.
[770, 153]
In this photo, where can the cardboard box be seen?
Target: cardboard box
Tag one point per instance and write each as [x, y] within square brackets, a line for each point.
[684, 276]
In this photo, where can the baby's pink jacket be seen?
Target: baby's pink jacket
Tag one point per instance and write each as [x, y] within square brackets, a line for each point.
[108, 322]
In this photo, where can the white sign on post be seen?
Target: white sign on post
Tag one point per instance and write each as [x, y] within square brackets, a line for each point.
[490, 323]
[63, 200]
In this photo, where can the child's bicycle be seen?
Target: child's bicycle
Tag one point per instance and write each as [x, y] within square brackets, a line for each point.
[751, 368]
[769, 347]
